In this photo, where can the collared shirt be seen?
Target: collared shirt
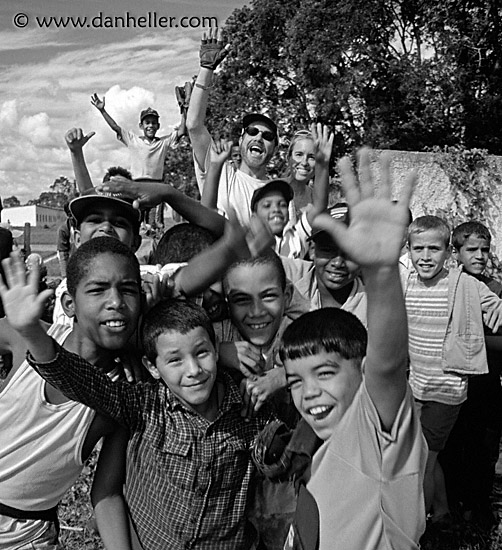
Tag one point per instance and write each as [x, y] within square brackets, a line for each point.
[187, 478]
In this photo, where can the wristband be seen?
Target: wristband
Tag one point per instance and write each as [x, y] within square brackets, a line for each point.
[202, 87]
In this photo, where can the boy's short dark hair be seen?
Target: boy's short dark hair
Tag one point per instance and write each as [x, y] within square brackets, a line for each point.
[269, 257]
[463, 231]
[429, 223]
[329, 329]
[181, 243]
[172, 316]
[80, 261]
[116, 171]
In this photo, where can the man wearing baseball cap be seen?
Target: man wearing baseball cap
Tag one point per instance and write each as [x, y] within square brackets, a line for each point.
[257, 143]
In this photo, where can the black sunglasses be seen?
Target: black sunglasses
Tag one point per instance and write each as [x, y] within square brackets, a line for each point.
[254, 131]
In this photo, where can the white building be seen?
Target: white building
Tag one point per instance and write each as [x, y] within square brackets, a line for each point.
[33, 214]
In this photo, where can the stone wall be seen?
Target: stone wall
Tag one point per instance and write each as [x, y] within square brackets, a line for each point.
[433, 192]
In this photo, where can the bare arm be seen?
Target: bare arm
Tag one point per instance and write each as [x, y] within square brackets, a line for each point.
[210, 265]
[212, 53]
[324, 145]
[373, 240]
[100, 106]
[107, 495]
[75, 140]
[220, 151]
[147, 194]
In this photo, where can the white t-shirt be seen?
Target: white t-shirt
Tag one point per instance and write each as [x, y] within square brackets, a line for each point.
[235, 189]
[147, 158]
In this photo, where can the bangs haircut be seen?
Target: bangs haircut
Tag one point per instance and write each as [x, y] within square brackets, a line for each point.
[429, 223]
[269, 257]
[172, 316]
[80, 262]
[330, 330]
[465, 230]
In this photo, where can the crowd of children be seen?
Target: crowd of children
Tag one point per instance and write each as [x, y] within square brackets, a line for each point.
[274, 375]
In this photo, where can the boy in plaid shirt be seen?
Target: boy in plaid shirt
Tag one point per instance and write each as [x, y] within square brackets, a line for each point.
[189, 466]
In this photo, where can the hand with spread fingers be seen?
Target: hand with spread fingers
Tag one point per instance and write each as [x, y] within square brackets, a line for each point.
[377, 224]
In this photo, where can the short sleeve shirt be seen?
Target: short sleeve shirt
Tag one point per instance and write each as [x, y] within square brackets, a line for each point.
[147, 158]
[368, 483]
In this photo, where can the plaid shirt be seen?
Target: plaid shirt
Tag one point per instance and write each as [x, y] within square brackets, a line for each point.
[187, 478]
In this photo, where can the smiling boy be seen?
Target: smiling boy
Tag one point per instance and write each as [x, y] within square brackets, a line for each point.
[45, 438]
[365, 488]
[446, 344]
[189, 459]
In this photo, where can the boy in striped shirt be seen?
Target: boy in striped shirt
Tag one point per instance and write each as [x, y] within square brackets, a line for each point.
[445, 317]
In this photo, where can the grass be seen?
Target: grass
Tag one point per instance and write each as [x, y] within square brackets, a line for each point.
[78, 530]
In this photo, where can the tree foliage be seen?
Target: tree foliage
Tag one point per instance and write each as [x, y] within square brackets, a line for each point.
[9, 202]
[399, 74]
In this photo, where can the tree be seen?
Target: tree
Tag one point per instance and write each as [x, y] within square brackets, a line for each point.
[400, 74]
[10, 202]
[63, 185]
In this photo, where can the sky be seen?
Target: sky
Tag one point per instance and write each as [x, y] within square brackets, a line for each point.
[48, 74]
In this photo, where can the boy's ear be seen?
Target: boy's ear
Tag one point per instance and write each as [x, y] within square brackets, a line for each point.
[152, 369]
[288, 294]
[68, 304]
[76, 238]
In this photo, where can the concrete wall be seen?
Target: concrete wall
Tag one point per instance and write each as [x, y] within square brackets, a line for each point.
[434, 192]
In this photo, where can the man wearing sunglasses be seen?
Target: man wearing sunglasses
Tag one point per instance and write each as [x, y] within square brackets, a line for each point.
[257, 143]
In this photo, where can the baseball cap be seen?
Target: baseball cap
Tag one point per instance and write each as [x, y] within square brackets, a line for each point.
[148, 112]
[340, 211]
[80, 207]
[258, 117]
[282, 186]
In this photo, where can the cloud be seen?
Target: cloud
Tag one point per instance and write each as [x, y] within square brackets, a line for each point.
[40, 101]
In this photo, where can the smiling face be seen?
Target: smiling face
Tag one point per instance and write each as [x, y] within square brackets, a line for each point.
[322, 387]
[256, 151]
[333, 271]
[187, 365]
[150, 126]
[107, 221]
[273, 210]
[256, 301]
[473, 254]
[302, 160]
[428, 253]
[106, 305]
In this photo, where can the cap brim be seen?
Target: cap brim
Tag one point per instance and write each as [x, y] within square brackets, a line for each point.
[79, 208]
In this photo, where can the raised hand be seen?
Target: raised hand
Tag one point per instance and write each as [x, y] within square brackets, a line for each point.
[212, 51]
[375, 232]
[220, 150]
[22, 302]
[183, 94]
[323, 140]
[97, 102]
[75, 138]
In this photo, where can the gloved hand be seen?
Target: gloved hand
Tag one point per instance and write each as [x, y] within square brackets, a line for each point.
[212, 52]
[183, 94]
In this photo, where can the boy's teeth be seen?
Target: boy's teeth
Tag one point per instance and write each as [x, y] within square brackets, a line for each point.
[256, 327]
[319, 410]
[115, 323]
